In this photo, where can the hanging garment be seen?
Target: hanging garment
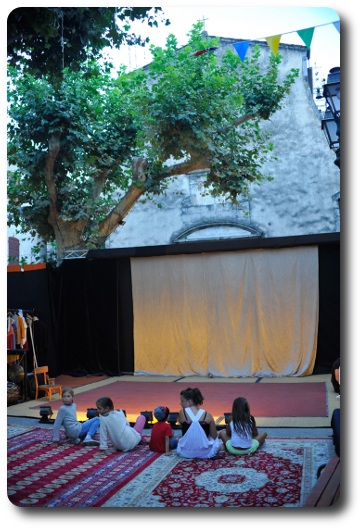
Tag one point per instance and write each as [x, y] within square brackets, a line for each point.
[15, 325]
[21, 331]
[14, 335]
[24, 337]
[9, 340]
[10, 335]
[194, 443]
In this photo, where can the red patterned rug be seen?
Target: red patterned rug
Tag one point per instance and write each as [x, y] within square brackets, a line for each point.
[280, 474]
[40, 475]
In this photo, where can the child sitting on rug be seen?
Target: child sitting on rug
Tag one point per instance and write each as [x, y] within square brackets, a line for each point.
[115, 425]
[199, 439]
[76, 431]
[241, 436]
[162, 439]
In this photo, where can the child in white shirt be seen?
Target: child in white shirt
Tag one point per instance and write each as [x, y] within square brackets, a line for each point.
[115, 425]
[241, 437]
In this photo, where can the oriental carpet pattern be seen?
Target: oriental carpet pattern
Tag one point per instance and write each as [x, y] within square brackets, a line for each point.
[41, 475]
[14, 430]
[280, 474]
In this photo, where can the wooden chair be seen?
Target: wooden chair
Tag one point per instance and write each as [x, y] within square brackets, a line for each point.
[49, 387]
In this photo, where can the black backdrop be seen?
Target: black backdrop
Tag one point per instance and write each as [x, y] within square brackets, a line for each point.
[328, 347]
[83, 302]
[86, 305]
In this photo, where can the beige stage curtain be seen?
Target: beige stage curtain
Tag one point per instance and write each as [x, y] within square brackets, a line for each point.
[230, 314]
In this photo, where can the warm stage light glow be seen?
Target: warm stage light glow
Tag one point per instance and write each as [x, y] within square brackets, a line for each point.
[82, 416]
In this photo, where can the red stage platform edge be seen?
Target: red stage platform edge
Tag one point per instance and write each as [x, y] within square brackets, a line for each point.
[266, 400]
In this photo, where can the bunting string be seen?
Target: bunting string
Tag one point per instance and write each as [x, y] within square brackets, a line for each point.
[273, 42]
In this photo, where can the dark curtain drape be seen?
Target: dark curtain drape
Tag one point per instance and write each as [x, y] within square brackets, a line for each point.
[328, 347]
[83, 303]
[126, 315]
[30, 290]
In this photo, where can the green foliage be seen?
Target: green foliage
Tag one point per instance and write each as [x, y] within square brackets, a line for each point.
[92, 115]
[186, 106]
[262, 93]
[46, 39]
[181, 108]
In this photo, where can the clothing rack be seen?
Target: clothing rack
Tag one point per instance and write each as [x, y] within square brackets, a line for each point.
[26, 313]
[32, 311]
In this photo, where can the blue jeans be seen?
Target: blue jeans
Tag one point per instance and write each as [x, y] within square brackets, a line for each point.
[89, 427]
[173, 442]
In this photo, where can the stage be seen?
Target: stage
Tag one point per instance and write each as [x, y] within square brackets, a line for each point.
[271, 399]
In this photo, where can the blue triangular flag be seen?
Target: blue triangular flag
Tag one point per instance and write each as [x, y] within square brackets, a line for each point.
[241, 49]
[337, 26]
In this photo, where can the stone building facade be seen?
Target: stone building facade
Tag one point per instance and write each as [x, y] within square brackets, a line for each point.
[302, 199]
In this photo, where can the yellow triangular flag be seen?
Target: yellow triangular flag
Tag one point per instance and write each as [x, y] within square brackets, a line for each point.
[274, 43]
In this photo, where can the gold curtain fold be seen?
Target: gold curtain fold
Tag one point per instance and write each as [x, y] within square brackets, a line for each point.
[170, 321]
[231, 314]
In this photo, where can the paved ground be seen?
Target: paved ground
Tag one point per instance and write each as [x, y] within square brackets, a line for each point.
[286, 432]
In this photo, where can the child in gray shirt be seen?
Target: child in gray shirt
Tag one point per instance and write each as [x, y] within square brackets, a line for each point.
[76, 431]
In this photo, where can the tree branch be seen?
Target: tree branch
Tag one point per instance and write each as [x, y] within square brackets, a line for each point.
[53, 150]
[128, 200]
[190, 165]
[98, 184]
[238, 121]
[135, 191]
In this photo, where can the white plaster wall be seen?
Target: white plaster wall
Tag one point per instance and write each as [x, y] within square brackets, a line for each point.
[300, 198]
[149, 225]
[298, 201]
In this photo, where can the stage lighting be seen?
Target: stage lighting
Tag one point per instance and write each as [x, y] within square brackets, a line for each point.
[46, 413]
[173, 418]
[92, 413]
[226, 417]
[149, 419]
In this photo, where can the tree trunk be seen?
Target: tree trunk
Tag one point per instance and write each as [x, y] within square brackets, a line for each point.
[69, 236]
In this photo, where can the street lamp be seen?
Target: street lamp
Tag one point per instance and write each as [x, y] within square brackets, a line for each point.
[331, 121]
[331, 91]
[331, 130]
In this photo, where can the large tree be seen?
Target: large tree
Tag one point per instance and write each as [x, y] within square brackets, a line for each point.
[86, 151]
[45, 40]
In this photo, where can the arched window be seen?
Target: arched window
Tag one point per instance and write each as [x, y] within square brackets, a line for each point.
[13, 254]
[213, 231]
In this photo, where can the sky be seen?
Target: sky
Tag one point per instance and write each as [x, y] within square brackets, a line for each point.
[244, 23]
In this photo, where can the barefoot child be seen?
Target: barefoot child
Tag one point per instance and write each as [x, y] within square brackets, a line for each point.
[162, 439]
[76, 431]
[115, 425]
[241, 436]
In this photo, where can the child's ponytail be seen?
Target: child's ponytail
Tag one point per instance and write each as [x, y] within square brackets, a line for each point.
[194, 394]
